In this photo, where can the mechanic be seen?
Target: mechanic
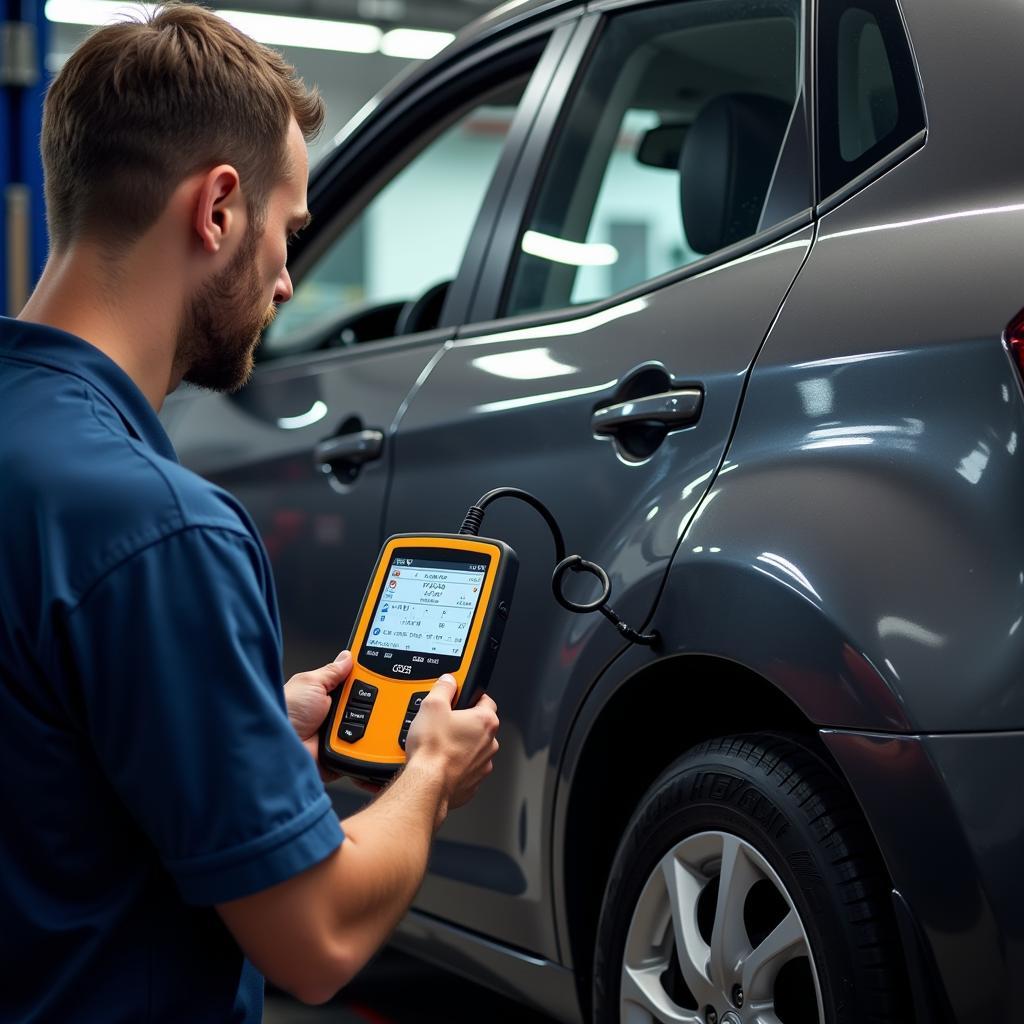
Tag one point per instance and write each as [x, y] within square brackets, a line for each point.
[166, 833]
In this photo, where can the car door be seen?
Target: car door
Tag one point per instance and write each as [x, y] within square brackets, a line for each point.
[306, 444]
[660, 214]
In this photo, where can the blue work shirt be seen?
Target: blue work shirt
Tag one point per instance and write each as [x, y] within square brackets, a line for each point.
[147, 766]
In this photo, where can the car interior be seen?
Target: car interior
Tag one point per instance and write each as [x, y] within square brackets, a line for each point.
[718, 96]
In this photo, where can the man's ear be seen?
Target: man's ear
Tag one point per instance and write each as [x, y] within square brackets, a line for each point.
[219, 207]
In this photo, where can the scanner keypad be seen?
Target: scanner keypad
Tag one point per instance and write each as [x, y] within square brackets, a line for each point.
[361, 699]
[410, 713]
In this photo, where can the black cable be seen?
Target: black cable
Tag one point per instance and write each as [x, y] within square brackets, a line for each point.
[475, 516]
[574, 563]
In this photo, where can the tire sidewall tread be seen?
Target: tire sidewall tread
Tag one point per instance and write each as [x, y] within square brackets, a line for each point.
[776, 793]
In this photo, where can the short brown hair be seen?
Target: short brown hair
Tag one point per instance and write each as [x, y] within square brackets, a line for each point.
[141, 105]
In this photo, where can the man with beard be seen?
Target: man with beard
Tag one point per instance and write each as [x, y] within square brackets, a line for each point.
[166, 833]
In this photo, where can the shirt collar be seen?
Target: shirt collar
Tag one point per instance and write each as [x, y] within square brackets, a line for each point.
[67, 353]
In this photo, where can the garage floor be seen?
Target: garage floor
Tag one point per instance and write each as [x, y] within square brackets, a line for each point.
[396, 989]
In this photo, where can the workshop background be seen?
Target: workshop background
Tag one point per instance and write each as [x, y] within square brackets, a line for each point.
[350, 49]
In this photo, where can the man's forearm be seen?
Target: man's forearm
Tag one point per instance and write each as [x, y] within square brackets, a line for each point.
[314, 932]
[386, 847]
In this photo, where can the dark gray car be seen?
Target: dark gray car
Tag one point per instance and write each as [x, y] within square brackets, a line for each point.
[731, 285]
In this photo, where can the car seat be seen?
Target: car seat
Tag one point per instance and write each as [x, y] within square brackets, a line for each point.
[726, 167]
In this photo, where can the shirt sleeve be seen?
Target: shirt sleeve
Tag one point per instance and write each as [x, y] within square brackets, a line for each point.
[177, 654]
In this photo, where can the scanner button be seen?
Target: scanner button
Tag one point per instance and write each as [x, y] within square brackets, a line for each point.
[356, 715]
[352, 733]
[363, 693]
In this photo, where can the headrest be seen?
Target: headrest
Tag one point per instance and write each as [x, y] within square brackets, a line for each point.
[726, 167]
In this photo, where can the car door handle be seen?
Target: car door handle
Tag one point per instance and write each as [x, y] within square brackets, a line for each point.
[670, 409]
[351, 449]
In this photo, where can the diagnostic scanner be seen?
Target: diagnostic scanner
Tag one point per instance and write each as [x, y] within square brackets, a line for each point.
[436, 604]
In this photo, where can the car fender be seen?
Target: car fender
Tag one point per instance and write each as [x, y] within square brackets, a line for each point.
[868, 564]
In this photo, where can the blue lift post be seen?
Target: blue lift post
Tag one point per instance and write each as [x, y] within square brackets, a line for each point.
[23, 242]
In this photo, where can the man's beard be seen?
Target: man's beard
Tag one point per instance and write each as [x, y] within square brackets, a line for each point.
[223, 324]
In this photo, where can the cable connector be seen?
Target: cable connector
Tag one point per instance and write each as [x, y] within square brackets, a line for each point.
[574, 563]
[471, 524]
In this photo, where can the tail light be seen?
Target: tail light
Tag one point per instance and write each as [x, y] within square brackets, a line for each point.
[1014, 338]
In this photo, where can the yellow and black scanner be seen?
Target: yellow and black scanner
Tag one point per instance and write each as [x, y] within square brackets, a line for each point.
[436, 604]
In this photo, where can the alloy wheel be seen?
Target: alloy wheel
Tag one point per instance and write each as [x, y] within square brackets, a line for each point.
[716, 939]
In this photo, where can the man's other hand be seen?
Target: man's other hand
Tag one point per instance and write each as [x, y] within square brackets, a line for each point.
[461, 743]
[308, 696]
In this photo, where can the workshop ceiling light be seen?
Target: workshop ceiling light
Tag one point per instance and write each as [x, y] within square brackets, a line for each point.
[92, 12]
[311, 33]
[415, 43]
[273, 29]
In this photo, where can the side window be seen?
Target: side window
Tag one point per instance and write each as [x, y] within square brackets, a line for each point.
[387, 271]
[868, 97]
[667, 152]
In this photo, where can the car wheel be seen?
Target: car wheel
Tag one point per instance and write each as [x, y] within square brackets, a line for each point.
[746, 890]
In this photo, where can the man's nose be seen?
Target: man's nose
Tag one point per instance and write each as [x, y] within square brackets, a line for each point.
[283, 290]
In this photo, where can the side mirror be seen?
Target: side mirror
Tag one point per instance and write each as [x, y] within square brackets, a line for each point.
[661, 146]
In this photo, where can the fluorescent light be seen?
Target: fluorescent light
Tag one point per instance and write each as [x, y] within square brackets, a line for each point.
[273, 29]
[310, 33]
[414, 43]
[93, 12]
[576, 254]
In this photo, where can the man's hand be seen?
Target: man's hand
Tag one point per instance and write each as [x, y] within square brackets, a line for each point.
[308, 696]
[311, 933]
[460, 743]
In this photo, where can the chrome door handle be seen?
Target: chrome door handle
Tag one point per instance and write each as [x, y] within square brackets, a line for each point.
[672, 410]
[351, 449]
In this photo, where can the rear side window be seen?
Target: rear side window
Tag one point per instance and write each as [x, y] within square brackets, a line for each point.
[868, 97]
[667, 152]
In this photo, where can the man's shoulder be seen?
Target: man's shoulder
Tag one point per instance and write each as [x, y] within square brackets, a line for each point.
[196, 500]
[80, 484]
[144, 498]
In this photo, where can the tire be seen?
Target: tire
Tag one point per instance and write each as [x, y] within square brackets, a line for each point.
[803, 927]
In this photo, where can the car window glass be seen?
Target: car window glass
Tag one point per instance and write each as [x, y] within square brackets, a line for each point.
[387, 271]
[667, 152]
[869, 102]
[867, 92]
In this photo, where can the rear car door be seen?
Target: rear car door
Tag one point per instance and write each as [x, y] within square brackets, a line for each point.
[660, 213]
[306, 445]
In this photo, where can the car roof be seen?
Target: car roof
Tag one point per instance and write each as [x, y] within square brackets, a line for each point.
[502, 19]
[507, 14]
